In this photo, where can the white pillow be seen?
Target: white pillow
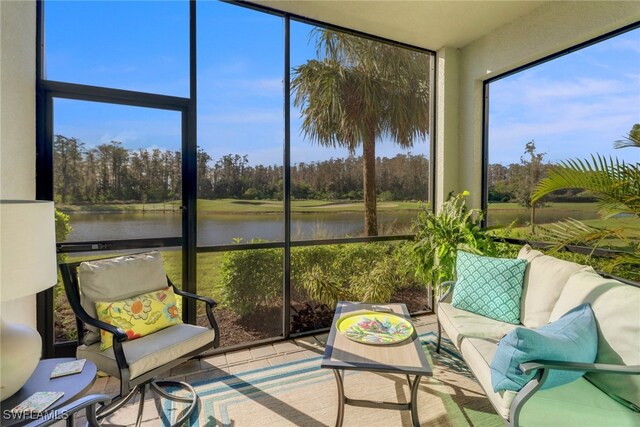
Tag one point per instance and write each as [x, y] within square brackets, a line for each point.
[544, 280]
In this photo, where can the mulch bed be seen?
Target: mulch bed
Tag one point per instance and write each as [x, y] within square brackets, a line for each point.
[263, 323]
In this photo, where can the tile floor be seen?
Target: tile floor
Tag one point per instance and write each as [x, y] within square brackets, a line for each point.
[223, 364]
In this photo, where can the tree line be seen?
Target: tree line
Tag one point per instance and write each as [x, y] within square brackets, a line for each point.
[111, 173]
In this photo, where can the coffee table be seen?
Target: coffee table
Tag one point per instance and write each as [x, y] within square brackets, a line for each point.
[405, 358]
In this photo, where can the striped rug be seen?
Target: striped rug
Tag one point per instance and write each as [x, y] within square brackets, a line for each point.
[300, 393]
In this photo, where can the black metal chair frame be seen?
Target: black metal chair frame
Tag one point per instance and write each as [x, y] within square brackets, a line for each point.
[129, 387]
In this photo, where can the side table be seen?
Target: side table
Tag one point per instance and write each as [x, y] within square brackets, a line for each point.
[73, 386]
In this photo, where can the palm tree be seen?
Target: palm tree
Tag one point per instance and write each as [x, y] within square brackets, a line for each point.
[359, 91]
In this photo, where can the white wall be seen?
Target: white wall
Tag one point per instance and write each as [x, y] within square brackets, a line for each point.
[17, 120]
[447, 123]
[548, 29]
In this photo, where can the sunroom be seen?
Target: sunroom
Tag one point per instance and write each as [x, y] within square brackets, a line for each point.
[282, 156]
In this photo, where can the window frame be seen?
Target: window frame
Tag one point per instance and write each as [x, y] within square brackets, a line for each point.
[484, 204]
[47, 90]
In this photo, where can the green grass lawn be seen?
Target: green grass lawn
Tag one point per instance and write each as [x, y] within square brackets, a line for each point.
[549, 206]
[244, 206]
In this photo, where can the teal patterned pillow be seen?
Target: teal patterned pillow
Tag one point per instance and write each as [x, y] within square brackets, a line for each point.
[491, 287]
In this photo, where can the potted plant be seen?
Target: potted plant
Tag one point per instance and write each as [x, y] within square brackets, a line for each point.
[440, 235]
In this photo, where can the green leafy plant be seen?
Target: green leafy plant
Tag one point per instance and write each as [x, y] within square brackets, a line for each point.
[369, 272]
[251, 279]
[616, 186]
[440, 236]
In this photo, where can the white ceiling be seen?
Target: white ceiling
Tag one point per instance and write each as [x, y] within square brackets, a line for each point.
[423, 23]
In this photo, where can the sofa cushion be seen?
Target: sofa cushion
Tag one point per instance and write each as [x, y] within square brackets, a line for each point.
[488, 286]
[616, 307]
[461, 324]
[578, 403]
[118, 278]
[544, 280]
[572, 338]
[478, 354]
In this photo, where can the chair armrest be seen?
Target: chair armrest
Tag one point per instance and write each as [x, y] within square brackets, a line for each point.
[210, 302]
[586, 367]
[210, 305]
[65, 412]
[448, 287]
[118, 334]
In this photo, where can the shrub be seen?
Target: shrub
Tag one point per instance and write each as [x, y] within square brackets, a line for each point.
[251, 278]
[326, 274]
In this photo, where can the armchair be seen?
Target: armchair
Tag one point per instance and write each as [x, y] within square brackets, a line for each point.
[138, 363]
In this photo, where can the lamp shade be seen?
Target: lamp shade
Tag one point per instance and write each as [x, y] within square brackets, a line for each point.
[27, 248]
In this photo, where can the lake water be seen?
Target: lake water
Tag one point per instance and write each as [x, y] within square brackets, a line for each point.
[216, 229]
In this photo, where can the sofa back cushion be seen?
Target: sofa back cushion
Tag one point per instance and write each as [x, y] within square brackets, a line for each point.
[116, 279]
[544, 280]
[616, 307]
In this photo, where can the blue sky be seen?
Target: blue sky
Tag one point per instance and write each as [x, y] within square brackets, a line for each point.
[572, 106]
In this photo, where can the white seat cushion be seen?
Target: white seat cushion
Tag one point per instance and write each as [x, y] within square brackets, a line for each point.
[544, 280]
[478, 354]
[149, 352]
[461, 324]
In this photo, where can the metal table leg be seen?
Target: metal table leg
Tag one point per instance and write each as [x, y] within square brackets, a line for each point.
[413, 403]
[341, 398]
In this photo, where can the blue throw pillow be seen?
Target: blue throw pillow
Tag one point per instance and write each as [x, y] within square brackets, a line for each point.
[572, 338]
[488, 286]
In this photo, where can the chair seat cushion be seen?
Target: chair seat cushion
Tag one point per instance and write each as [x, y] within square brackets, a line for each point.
[151, 351]
[461, 324]
[491, 287]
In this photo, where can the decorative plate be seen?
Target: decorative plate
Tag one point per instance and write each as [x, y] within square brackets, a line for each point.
[375, 328]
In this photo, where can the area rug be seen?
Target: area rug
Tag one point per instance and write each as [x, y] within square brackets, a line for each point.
[300, 393]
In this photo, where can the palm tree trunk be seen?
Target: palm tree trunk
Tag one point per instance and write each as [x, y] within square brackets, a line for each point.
[369, 180]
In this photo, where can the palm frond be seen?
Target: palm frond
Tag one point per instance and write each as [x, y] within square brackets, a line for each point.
[615, 184]
[358, 87]
[574, 232]
[631, 140]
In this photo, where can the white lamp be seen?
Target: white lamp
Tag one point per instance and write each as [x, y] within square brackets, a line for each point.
[27, 266]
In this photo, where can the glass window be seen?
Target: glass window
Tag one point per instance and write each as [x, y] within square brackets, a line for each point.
[359, 135]
[117, 170]
[135, 45]
[239, 168]
[240, 125]
[570, 108]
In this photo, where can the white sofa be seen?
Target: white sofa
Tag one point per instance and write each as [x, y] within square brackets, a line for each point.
[607, 395]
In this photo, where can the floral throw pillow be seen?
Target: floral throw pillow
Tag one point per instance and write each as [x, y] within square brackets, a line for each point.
[139, 315]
